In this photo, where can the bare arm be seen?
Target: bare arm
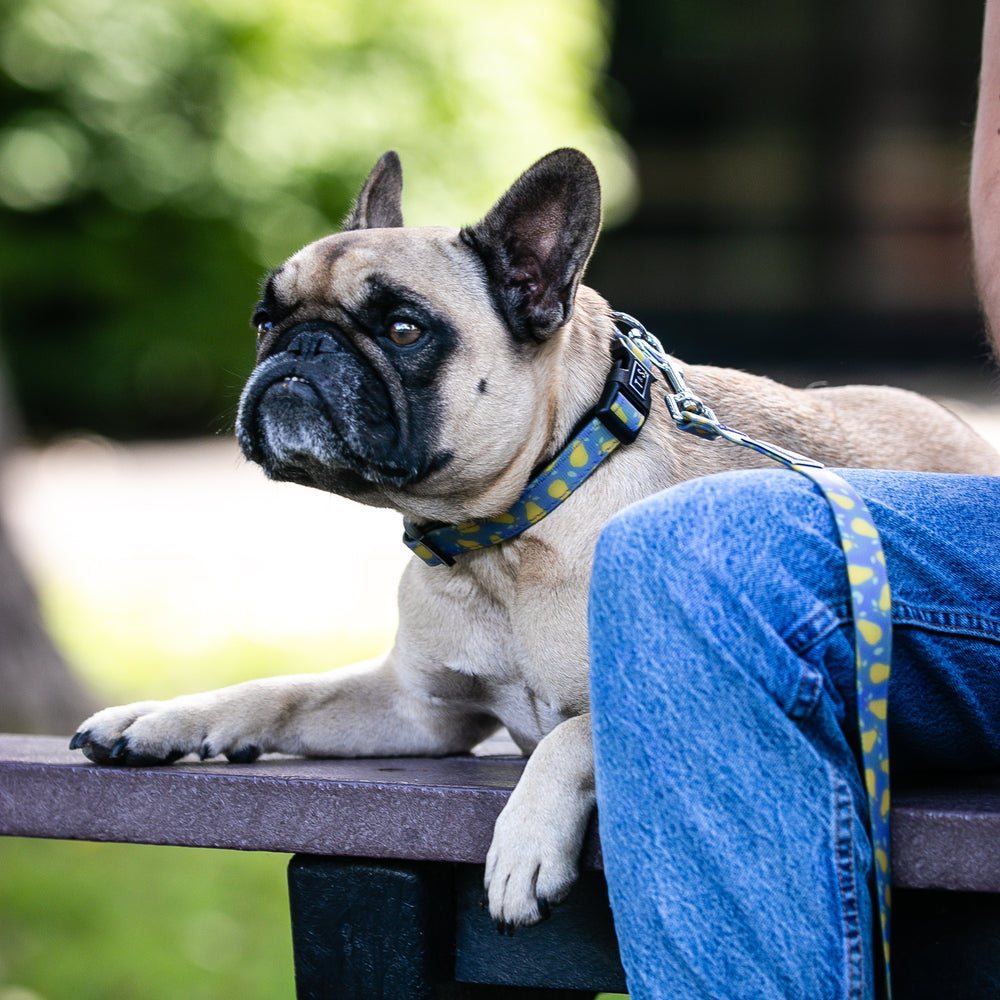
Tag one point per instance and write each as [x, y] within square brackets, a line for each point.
[984, 187]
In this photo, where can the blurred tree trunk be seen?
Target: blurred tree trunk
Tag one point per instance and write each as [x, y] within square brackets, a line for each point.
[38, 691]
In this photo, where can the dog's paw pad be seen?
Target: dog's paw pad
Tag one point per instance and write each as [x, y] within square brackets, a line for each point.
[120, 753]
[243, 755]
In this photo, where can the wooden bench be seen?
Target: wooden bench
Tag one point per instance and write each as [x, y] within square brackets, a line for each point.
[386, 882]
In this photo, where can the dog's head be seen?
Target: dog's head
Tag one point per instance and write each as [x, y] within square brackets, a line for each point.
[398, 366]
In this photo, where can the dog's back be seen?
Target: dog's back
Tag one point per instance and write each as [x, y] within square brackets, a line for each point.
[852, 426]
[897, 429]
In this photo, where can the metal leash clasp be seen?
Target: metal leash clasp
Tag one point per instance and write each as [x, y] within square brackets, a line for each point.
[685, 408]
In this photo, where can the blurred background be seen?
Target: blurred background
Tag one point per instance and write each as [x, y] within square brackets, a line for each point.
[784, 191]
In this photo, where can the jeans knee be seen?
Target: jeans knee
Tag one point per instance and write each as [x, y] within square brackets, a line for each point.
[732, 523]
[730, 562]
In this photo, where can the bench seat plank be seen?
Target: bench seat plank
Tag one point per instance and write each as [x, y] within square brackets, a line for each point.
[946, 833]
[946, 830]
[409, 808]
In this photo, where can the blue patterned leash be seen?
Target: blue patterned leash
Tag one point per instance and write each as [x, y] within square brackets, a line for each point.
[871, 603]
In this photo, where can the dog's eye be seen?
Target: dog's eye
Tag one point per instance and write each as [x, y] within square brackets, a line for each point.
[403, 334]
[261, 321]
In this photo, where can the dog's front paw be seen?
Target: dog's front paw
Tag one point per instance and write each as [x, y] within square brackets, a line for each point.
[532, 861]
[158, 732]
[107, 737]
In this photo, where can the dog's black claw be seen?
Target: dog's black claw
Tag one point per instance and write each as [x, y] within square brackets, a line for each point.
[119, 750]
[79, 740]
[243, 755]
[544, 910]
[206, 751]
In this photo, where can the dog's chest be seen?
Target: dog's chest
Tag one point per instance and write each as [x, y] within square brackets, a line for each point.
[492, 670]
[500, 645]
[527, 715]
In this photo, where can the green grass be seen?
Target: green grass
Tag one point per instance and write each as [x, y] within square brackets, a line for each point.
[92, 921]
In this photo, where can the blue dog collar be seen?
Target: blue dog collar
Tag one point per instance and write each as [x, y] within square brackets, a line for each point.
[616, 420]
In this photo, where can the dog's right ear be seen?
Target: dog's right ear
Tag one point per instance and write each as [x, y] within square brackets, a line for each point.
[536, 240]
[380, 202]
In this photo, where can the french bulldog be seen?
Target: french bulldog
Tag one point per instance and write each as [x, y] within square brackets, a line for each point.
[434, 371]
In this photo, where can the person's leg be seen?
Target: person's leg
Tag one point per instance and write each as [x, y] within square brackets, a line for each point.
[731, 810]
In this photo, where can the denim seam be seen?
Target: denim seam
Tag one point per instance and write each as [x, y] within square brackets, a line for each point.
[847, 878]
[945, 620]
[806, 695]
[807, 632]
[803, 637]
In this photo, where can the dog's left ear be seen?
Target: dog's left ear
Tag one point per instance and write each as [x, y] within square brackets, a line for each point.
[537, 239]
[379, 204]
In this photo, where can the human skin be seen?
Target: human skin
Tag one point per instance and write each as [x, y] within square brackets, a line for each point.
[984, 181]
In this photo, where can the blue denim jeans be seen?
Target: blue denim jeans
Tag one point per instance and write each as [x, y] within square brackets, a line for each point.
[732, 812]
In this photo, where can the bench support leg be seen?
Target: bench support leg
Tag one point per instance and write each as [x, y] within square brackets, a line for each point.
[365, 930]
[946, 945]
[372, 930]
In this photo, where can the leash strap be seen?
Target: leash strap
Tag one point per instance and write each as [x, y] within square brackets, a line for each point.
[871, 606]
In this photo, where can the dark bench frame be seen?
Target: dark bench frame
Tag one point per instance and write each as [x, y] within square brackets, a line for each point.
[386, 883]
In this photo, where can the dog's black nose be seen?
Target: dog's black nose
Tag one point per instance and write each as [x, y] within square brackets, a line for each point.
[308, 343]
[305, 341]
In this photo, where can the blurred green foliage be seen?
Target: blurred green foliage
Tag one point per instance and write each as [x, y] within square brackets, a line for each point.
[158, 157]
